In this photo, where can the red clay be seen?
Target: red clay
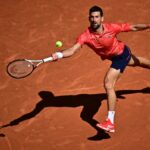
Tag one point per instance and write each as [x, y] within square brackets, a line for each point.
[57, 107]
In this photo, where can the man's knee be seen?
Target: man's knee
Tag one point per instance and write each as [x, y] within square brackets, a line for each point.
[108, 85]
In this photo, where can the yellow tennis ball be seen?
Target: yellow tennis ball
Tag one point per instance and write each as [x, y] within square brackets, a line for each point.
[58, 44]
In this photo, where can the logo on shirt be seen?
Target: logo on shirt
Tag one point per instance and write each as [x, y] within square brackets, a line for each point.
[109, 36]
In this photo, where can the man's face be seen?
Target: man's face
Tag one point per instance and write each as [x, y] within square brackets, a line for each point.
[95, 20]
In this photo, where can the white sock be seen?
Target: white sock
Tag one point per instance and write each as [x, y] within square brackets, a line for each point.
[111, 115]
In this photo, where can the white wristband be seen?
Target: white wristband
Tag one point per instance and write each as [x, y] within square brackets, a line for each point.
[59, 55]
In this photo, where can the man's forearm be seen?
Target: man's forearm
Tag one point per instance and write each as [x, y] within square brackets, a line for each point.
[139, 27]
[67, 52]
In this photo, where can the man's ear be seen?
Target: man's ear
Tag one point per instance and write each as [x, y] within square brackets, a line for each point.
[102, 19]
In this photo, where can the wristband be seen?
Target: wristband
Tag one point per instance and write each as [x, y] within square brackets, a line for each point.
[59, 55]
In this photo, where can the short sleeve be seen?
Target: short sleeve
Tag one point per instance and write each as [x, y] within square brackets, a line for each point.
[82, 38]
[124, 27]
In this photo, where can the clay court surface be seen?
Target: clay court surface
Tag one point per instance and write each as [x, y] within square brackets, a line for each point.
[57, 107]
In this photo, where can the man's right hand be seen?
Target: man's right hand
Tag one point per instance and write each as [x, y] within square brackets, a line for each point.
[57, 55]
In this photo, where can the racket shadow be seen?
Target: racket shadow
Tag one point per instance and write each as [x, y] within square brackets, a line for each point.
[90, 102]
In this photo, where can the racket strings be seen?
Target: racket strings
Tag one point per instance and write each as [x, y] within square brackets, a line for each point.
[20, 68]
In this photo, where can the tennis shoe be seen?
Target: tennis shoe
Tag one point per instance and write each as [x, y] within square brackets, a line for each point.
[107, 126]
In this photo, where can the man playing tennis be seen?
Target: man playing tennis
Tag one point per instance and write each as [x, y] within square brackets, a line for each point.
[101, 38]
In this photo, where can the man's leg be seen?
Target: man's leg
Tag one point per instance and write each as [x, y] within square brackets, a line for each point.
[139, 61]
[109, 83]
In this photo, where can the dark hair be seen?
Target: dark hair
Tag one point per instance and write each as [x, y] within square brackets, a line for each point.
[96, 8]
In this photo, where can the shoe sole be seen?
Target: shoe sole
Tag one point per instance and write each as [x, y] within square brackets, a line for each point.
[106, 129]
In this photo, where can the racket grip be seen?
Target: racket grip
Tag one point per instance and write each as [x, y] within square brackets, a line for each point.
[59, 55]
[48, 59]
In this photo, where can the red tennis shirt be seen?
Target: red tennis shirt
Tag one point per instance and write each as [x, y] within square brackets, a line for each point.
[105, 44]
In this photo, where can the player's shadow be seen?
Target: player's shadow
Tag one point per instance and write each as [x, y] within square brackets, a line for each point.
[90, 102]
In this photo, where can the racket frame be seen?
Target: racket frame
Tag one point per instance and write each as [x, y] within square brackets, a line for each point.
[34, 64]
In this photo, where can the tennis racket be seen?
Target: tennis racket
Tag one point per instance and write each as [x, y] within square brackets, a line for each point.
[21, 68]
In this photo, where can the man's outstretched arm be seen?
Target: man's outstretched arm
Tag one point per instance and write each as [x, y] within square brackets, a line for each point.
[138, 27]
[67, 52]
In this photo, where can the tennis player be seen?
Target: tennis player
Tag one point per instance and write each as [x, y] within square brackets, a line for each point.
[101, 38]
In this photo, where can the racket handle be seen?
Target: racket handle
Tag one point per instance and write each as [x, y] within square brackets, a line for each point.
[59, 55]
[48, 59]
